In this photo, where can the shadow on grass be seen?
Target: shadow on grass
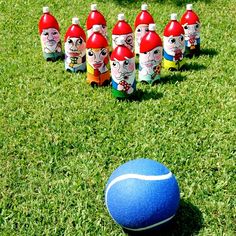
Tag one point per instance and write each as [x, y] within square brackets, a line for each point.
[211, 52]
[176, 2]
[187, 222]
[193, 66]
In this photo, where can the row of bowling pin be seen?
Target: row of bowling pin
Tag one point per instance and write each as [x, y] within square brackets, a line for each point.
[147, 43]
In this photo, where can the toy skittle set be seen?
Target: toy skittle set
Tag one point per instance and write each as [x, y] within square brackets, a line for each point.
[180, 40]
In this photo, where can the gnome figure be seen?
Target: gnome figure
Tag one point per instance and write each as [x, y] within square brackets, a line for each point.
[50, 36]
[173, 45]
[97, 54]
[122, 71]
[124, 30]
[95, 17]
[191, 24]
[150, 56]
[75, 47]
[141, 23]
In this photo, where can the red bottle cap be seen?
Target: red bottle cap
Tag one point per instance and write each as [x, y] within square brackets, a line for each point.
[95, 18]
[122, 27]
[47, 21]
[75, 30]
[189, 17]
[144, 17]
[96, 40]
[173, 28]
[150, 40]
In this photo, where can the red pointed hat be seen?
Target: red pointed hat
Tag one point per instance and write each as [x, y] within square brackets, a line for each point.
[173, 28]
[150, 40]
[144, 17]
[47, 21]
[75, 30]
[122, 27]
[96, 40]
[95, 18]
[189, 17]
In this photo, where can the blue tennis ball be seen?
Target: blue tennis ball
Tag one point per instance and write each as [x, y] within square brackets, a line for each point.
[142, 194]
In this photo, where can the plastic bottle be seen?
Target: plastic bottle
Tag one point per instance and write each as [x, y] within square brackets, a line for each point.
[95, 17]
[143, 19]
[49, 31]
[150, 56]
[75, 47]
[123, 71]
[123, 29]
[173, 45]
[191, 24]
[97, 59]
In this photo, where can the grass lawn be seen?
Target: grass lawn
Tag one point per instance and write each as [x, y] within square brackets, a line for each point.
[60, 139]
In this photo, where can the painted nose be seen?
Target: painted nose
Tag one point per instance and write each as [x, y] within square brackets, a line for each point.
[50, 37]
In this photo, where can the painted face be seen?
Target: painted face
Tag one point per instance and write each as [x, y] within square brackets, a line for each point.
[103, 31]
[50, 38]
[151, 58]
[123, 70]
[96, 57]
[192, 31]
[140, 31]
[75, 47]
[173, 45]
[128, 38]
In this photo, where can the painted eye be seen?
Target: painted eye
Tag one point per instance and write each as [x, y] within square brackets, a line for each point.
[103, 26]
[146, 30]
[145, 53]
[182, 38]
[80, 41]
[70, 41]
[139, 30]
[186, 27]
[129, 40]
[45, 33]
[172, 40]
[54, 33]
[126, 63]
[115, 64]
[156, 51]
[90, 53]
[104, 52]
[197, 26]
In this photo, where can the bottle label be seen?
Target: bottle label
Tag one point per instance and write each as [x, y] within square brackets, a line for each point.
[123, 75]
[192, 35]
[51, 43]
[150, 65]
[97, 65]
[75, 54]
[174, 48]
[128, 38]
[140, 31]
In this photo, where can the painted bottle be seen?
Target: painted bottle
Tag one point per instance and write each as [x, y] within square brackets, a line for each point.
[95, 17]
[97, 59]
[123, 71]
[173, 45]
[191, 24]
[143, 19]
[150, 56]
[124, 30]
[75, 47]
[49, 31]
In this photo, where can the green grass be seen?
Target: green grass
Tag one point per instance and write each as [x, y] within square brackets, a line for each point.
[60, 139]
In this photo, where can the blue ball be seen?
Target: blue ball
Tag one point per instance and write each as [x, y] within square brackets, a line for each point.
[142, 194]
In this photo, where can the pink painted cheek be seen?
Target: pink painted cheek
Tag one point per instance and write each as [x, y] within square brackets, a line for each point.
[44, 38]
[81, 47]
[115, 71]
[131, 67]
[56, 37]
[157, 57]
